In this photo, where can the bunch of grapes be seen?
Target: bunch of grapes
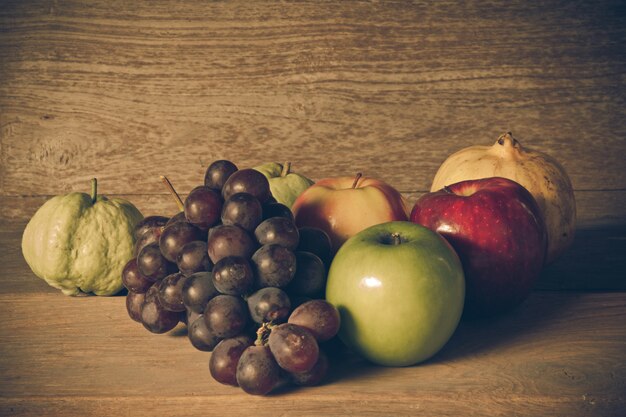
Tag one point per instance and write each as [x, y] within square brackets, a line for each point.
[248, 283]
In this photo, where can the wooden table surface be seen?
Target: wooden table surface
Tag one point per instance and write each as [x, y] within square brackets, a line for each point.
[560, 353]
[127, 91]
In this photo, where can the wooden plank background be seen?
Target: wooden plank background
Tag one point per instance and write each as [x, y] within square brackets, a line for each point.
[126, 91]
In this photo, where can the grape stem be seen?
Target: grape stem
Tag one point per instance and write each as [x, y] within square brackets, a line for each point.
[286, 169]
[173, 192]
[263, 333]
[94, 190]
[356, 179]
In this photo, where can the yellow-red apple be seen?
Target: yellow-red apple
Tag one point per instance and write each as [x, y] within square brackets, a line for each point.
[344, 206]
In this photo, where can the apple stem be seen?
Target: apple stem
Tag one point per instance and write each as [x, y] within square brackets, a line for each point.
[396, 239]
[94, 190]
[173, 192]
[286, 168]
[356, 179]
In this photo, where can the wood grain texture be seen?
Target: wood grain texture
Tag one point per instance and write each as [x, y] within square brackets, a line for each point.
[558, 354]
[127, 91]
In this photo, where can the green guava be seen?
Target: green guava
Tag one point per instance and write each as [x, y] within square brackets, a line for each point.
[79, 243]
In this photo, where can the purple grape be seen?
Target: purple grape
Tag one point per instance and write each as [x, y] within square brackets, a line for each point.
[152, 264]
[197, 290]
[317, 242]
[133, 280]
[226, 316]
[193, 257]
[200, 336]
[170, 292]
[233, 275]
[293, 347]
[248, 181]
[243, 210]
[315, 375]
[257, 371]
[269, 304]
[203, 207]
[217, 173]
[177, 235]
[154, 317]
[275, 266]
[225, 357]
[229, 240]
[274, 209]
[310, 277]
[278, 230]
[134, 301]
[150, 224]
[319, 317]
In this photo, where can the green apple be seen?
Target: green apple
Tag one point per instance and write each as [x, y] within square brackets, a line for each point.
[399, 288]
[285, 185]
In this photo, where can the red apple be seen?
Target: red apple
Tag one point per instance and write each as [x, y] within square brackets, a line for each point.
[496, 227]
[344, 206]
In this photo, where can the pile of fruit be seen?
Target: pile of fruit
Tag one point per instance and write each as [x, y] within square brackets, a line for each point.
[267, 268]
[249, 284]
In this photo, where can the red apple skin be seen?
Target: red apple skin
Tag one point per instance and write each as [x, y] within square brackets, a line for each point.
[496, 228]
[341, 210]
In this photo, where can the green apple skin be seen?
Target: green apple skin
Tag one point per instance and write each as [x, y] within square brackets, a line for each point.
[285, 189]
[399, 303]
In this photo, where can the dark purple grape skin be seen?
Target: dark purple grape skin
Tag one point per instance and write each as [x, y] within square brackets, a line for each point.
[257, 371]
[203, 207]
[145, 240]
[134, 301]
[225, 357]
[133, 279]
[170, 292]
[247, 181]
[310, 277]
[233, 275]
[229, 240]
[177, 218]
[275, 266]
[226, 315]
[269, 304]
[177, 235]
[217, 173]
[152, 264]
[200, 336]
[149, 224]
[197, 290]
[319, 317]
[316, 241]
[313, 377]
[243, 210]
[154, 316]
[193, 257]
[191, 316]
[279, 231]
[293, 347]
[274, 209]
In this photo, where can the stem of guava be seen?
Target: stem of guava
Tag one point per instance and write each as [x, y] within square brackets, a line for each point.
[356, 179]
[173, 192]
[396, 239]
[94, 190]
[286, 169]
